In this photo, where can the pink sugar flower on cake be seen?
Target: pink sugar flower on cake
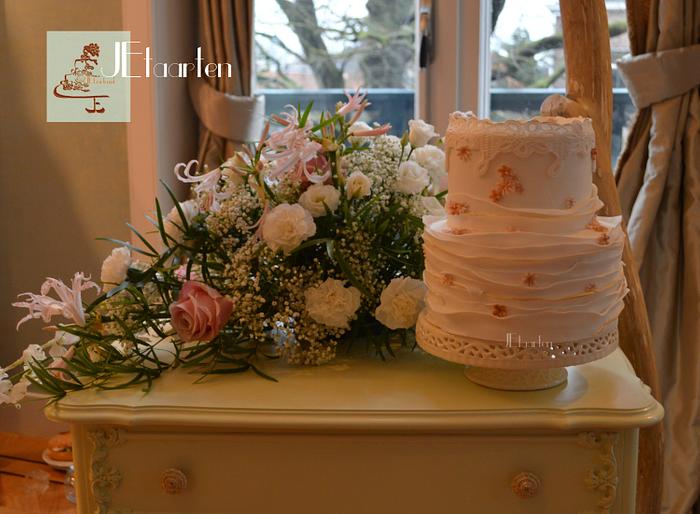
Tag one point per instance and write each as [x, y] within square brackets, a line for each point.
[596, 226]
[604, 239]
[447, 279]
[457, 208]
[509, 183]
[464, 153]
[569, 202]
[529, 279]
[499, 311]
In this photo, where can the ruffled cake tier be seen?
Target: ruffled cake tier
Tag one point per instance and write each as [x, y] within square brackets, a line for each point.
[487, 282]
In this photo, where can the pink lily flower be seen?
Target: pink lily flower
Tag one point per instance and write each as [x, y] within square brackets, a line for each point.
[355, 102]
[377, 131]
[69, 303]
[207, 184]
[290, 147]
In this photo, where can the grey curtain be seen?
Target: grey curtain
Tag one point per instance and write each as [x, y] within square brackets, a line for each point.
[229, 115]
[658, 178]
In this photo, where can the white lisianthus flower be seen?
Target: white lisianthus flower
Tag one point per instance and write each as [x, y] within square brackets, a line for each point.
[114, 267]
[10, 393]
[420, 132]
[231, 168]
[317, 197]
[331, 303]
[123, 347]
[400, 303]
[61, 342]
[173, 221]
[432, 159]
[286, 226]
[357, 185]
[35, 352]
[358, 126]
[413, 178]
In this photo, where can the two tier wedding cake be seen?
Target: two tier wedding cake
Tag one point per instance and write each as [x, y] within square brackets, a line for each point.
[521, 272]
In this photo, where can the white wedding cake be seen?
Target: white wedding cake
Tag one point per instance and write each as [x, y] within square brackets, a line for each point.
[521, 272]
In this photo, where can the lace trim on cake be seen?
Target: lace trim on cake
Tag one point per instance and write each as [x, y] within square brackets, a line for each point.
[505, 355]
[521, 138]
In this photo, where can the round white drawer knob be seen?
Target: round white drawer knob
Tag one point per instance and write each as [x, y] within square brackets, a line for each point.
[173, 481]
[525, 485]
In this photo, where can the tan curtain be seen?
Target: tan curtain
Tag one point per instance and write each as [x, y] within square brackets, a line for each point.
[228, 114]
[658, 178]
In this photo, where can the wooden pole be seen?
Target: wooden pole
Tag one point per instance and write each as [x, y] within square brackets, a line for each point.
[589, 93]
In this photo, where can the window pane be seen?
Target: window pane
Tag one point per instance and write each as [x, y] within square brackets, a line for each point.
[315, 49]
[528, 60]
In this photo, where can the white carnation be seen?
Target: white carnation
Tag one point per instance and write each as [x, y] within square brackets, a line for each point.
[331, 303]
[114, 267]
[420, 132]
[432, 159]
[357, 185]
[413, 178]
[173, 221]
[317, 197]
[286, 226]
[357, 127]
[400, 303]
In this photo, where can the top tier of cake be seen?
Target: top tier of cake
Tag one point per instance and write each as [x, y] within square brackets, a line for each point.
[542, 163]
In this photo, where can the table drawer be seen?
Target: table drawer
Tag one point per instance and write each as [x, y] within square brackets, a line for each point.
[358, 473]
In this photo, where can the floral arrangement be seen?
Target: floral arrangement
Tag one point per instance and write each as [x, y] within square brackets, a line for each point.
[306, 240]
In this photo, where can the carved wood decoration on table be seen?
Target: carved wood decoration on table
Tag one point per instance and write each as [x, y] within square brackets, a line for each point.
[589, 93]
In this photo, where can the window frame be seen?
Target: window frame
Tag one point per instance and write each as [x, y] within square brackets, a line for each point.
[457, 77]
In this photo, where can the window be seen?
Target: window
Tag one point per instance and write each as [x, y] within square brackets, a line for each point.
[499, 58]
[527, 60]
[312, 50]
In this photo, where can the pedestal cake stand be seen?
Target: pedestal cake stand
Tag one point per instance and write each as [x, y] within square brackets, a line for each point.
[513, 365]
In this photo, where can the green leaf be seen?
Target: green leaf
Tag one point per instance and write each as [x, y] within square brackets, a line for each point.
[161, 225]
[172, 196]
[143, 239]
[347, 272]
[311, 242]
[305, 115]
[262, 374]
[131, 247]
[228, 371]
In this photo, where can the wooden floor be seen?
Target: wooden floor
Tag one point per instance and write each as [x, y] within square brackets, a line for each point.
[23, 478]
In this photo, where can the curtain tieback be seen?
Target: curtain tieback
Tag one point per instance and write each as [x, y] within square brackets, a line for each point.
[236, 118]
[657, 76]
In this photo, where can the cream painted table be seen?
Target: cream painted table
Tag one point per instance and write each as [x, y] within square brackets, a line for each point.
[411, 435]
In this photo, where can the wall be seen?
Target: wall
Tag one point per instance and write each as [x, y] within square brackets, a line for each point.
[61, 184]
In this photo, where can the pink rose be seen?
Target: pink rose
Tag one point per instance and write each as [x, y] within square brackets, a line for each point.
[318, 167]
[200, 312]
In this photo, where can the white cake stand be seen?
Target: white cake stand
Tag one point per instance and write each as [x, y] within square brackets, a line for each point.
[511, 367]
